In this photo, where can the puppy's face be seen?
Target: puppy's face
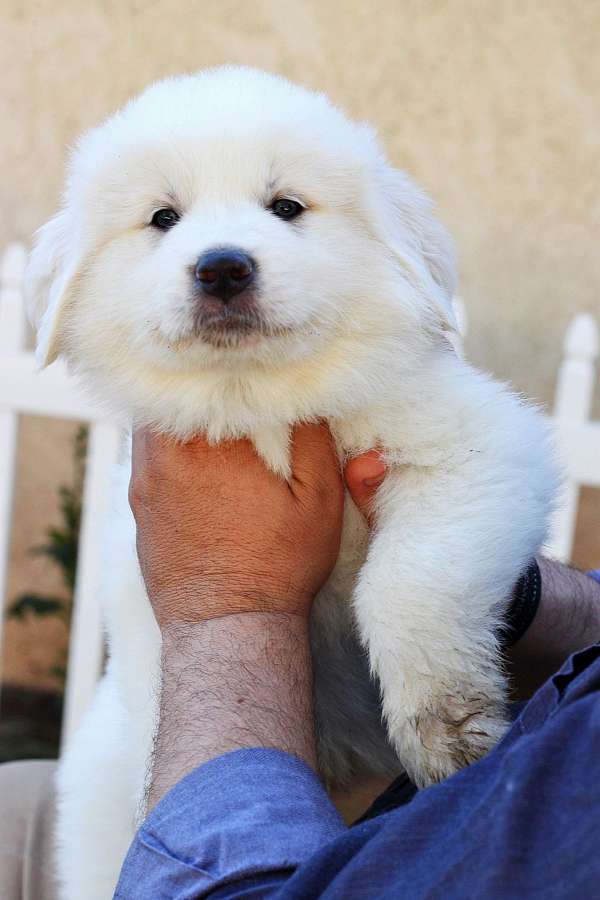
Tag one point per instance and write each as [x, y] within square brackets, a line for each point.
[230, 220]
[218, 250]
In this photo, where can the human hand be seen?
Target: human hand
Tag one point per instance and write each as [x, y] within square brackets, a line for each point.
[363, 475]
[220, 534]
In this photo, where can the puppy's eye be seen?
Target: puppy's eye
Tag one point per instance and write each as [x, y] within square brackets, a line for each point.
[287, 209]
[164, 219]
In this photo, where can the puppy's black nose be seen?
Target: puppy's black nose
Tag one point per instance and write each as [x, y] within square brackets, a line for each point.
[224, 273]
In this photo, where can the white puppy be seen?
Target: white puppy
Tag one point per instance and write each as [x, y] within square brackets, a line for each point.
[234, 256]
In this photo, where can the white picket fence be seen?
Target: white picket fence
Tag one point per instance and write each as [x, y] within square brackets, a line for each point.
[24, 390]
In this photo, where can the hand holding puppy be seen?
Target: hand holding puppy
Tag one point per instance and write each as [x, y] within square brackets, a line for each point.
[219, 534]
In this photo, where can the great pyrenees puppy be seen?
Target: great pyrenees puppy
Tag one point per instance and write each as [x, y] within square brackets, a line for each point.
[234, 256]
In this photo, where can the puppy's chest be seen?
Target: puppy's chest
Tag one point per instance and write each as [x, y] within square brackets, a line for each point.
[265, 409]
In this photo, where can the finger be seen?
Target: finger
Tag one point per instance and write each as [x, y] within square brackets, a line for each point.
[363, 475]
[138, 445]
[200, 451]
[148, 444]
[143, 451]
[315, 464]
[139, 440]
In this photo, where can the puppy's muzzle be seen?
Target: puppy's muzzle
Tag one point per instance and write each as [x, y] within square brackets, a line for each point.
[224, 273]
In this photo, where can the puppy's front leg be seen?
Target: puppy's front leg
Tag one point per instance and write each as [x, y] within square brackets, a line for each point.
[428, 602]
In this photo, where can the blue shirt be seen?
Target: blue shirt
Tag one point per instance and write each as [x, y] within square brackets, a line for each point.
[521, 823]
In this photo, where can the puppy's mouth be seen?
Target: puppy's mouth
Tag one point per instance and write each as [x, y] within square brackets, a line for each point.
[227, 326]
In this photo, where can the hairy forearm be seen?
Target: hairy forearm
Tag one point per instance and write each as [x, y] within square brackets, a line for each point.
[567, 620]
[228, 683]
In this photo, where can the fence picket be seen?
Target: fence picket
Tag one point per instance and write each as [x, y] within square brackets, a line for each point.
[8, 457]
[12, 340]
[578, 439]
[12, 319]
[86, 649]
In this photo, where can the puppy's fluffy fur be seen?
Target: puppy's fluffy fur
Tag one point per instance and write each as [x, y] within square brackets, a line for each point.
[350, 320]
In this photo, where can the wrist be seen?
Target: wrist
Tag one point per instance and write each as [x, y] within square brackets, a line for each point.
[523, 606]
[177, 611]
[181, 640]
[569, 614]
[567, 620]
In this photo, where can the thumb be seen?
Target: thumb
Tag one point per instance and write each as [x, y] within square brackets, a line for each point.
[363, 475]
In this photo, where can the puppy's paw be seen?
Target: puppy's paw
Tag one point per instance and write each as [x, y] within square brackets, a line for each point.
[448, 733]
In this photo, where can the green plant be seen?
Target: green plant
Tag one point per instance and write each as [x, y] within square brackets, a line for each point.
[61, 548]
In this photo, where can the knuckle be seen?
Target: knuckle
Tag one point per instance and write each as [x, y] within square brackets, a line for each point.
[137, 492]
[133, 494]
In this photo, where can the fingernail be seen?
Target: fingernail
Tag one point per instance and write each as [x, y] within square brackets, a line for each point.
[376, 471]
[375, 481]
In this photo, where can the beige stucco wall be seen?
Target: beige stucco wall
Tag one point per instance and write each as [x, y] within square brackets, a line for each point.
[493, 105]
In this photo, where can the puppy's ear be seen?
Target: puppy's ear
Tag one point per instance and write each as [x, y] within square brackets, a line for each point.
[421, 243]
[48, 283]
